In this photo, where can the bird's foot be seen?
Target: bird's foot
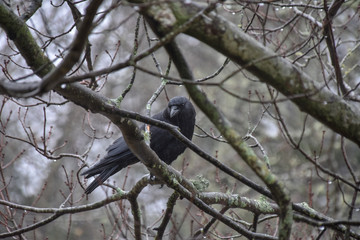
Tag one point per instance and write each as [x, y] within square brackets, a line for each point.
[154, 180]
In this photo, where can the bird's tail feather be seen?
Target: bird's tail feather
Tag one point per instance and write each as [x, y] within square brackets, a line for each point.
[99, 180]
[91, 172]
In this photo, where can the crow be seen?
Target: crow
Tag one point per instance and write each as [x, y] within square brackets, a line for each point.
[179, 112]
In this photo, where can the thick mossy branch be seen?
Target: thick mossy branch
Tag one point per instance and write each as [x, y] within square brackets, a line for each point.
[236, 201]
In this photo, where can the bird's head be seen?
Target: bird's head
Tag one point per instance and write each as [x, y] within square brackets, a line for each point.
[179, 105]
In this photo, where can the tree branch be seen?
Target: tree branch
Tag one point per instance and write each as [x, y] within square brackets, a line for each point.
[167, 215]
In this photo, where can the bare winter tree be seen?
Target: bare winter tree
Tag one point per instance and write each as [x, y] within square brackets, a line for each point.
[276, 149]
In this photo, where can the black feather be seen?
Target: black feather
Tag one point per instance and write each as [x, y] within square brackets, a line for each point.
[165, 145]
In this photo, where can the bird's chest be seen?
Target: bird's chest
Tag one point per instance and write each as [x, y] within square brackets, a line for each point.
[166, 146]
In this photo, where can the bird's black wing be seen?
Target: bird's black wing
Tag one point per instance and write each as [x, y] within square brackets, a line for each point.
[118, 157]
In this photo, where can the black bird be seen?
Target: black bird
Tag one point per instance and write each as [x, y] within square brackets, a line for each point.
[179, 112]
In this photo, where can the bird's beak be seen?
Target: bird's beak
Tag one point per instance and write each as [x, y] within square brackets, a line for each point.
[174, 110]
